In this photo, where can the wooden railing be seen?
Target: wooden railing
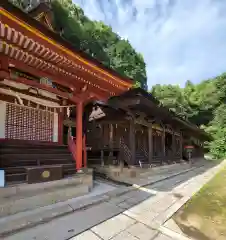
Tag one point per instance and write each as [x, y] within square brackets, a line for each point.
[72, 147]
[125, 152]
[144, 150]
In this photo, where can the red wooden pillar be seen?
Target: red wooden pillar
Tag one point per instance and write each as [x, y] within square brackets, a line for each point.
[79, 142]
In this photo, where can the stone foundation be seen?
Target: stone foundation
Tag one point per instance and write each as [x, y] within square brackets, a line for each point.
[24, 197]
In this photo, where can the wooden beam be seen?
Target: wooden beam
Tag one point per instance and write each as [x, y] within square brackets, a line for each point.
[70, 83]
[64, 81]
[132, 141]
[164, 144]
[125, 103]
[4, 62]
[2, 85]
[38, 85]
[150, 145]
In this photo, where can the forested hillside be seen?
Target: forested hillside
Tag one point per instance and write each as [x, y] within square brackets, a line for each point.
[203, 104]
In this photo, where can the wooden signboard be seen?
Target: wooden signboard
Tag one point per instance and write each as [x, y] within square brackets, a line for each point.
[44, 174]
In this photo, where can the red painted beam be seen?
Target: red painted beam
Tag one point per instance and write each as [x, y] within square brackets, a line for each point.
[58, 48]
[64, 81]
[38, 85]
[67, 82]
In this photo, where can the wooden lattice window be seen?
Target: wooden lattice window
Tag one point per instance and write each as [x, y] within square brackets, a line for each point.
[27, 123]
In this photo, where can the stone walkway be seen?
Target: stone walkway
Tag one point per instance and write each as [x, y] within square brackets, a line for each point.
[145, 220]
[138, 214]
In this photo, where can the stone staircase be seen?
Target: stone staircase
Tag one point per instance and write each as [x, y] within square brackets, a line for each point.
[16, 157]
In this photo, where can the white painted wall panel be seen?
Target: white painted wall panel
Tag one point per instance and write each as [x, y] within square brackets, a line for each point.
[2, 118]
[55, 128]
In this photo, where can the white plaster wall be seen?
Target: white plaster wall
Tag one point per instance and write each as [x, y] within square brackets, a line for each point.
[2, 118]
[55, 128]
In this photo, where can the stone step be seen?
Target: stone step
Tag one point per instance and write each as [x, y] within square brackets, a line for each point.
[25, 197]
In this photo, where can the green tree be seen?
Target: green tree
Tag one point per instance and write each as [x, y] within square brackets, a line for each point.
[99, 41]
[217, 128]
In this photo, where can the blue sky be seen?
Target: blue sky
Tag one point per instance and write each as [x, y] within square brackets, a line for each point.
[179, 39]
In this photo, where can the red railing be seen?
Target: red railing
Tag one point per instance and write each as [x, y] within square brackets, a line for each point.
[72, 148]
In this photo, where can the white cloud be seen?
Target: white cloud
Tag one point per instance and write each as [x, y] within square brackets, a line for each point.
[179, 39]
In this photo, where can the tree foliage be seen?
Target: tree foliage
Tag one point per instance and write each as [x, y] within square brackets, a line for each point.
[203, 104]
[99, 41]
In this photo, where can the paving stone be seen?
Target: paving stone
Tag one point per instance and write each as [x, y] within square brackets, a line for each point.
[75, 205]
[147, 205]
[113, 226]
[140, 197]
[70, 225]
[162, 237]
[164, 203]
[142, 232]
[119, 191]
[25, 219]
[119, 199]
[171, 224]
[124, 236]
[125, 205]
[87, 235]
[163, 217]
[145, 217]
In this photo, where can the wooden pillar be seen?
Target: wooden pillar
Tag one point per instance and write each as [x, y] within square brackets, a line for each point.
[150, 144]
[60, 125]
[132, 141]
[174, 144]
[163, 143]
[181, 145]
[79, 145]
[111, 129]
[84, 151]
[102, 157]
[101, 145]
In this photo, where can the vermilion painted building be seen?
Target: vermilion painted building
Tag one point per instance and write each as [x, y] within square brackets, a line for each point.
[41, 77]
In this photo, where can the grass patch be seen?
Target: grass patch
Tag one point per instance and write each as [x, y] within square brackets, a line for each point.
[204, 216]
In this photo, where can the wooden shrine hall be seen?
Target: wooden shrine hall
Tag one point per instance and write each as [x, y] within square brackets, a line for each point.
[135, 129]
[49, 125]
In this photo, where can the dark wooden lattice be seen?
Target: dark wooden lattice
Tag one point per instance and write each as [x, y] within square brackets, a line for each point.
[28, 123]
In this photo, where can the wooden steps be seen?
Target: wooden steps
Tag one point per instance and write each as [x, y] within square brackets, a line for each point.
[16, 158]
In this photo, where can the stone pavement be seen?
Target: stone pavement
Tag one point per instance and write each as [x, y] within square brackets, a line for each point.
[138, 214]
[28, 219]
[145, 220]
